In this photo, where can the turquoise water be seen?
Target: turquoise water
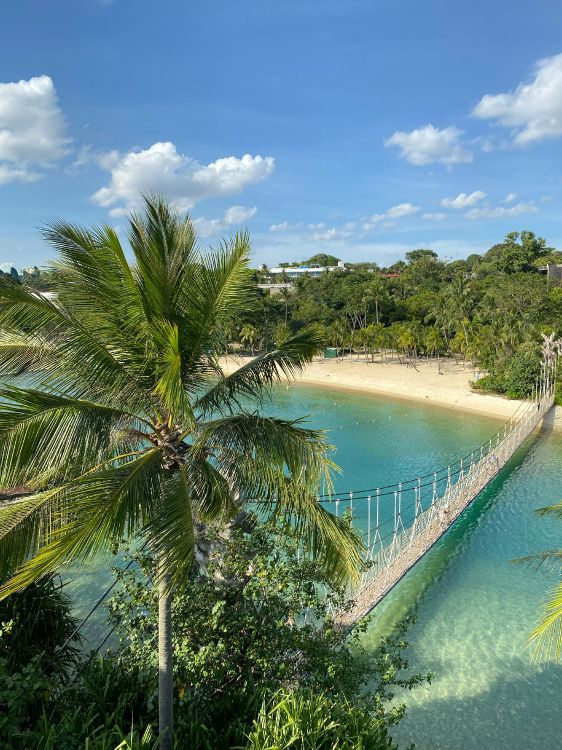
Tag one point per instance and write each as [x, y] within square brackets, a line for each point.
[474, 608]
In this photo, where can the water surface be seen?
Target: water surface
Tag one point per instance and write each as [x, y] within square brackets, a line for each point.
[474, 607]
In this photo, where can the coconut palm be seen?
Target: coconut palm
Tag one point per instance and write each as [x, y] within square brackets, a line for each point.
[128, 428]
[249, 335]
[433, 344]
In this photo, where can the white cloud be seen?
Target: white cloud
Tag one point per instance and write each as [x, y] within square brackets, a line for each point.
[160, 168]
[487, 212]
[320, 225]
[436, 216]
[395, 212]
[510, 197]
[402, 209]
[534, 109]
[285, 226]
[330, 234]
[463, 200]
[9, 174]
[429, 145]
[233, 215]
[32, 129]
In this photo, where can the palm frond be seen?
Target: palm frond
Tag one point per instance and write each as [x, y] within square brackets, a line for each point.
[272, 443]
[25, 525]
[163, 245]
[91, 514]
[546, 638]
[170, 530]
[220, 287]
[254, 378]
[551, 510]
[170, 387]
[22, 354]
[42, 432]
[76, 359]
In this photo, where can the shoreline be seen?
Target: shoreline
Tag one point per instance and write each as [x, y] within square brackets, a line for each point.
[421, 384]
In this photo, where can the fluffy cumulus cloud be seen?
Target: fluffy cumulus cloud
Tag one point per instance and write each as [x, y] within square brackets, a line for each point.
[233, 216]
[430, 145]
[32, 129]
[434, 216]
[463, 200]
[534, 109]
[500, 212]
[182, 179]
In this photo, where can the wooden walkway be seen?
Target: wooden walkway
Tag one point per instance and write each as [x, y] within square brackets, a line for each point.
[387, 564]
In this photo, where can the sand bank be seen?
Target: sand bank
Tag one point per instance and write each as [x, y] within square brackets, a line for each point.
[423, 383]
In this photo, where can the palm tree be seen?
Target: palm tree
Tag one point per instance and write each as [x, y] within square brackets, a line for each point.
[377, 291]
[249, 335]
[127, 427]
[285, 295]
[434, 344]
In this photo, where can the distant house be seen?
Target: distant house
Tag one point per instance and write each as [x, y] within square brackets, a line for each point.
[552, 271]
[314, 270]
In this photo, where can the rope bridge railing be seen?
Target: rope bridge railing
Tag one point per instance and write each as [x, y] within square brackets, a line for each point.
[405, 520]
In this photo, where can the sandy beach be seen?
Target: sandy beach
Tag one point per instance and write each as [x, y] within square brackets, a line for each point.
[450, 389]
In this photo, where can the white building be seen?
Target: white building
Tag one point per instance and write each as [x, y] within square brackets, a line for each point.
[294, 272]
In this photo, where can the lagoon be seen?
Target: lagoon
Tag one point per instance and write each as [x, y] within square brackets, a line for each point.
[474, 608]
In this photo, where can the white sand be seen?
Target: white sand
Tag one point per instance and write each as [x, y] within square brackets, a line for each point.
[423, 383]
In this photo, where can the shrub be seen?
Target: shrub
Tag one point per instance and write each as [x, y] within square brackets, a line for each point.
[515, 377]
[304, 720]
[258, 622]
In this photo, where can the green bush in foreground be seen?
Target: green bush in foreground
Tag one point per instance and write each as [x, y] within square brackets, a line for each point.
[304, 720]
[257, 655]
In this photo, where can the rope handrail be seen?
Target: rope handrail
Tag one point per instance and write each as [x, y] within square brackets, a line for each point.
[328, 497]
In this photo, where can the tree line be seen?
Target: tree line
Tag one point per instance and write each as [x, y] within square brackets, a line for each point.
[489, 309]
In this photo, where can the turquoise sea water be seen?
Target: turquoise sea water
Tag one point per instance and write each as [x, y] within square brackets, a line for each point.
[474, 608]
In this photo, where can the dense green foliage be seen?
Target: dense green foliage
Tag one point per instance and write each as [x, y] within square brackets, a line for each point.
[483, 309]
[39, 646]
[305, 720]
[258, 623]
[127, 425]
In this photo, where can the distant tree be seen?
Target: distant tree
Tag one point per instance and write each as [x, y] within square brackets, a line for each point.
[413, 256]
[249, 335]
[323, 260]
[518, 252]
[285, 295]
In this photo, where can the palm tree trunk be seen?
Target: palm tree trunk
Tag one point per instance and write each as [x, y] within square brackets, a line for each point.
[165, 661]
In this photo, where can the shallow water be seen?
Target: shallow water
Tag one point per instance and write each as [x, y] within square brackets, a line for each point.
[474, 607]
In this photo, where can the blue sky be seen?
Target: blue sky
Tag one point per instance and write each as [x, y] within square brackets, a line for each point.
[361, 128]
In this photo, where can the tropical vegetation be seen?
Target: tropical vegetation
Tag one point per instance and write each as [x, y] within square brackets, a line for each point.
[122, 424]
[259, 660]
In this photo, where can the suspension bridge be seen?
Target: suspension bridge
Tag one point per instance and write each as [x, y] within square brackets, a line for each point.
[406, 519]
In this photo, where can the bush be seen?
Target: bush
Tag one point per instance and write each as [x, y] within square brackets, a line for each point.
[258, 622]
[38, 647]
[304, 720]
[517, 376]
